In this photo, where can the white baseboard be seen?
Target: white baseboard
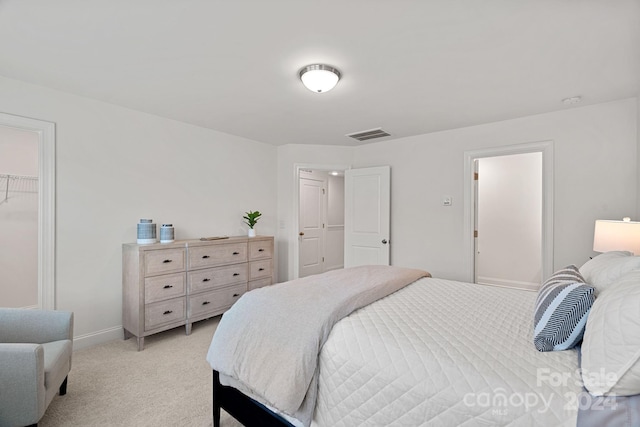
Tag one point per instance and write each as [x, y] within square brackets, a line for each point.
[507, 283]
[98, 337]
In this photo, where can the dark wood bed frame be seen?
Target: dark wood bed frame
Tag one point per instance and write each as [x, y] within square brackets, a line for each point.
[241, 407]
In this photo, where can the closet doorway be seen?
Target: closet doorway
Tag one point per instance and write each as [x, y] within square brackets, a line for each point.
[18, 217]
[27, 225]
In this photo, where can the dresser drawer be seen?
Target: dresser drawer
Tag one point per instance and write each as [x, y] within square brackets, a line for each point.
[209, 256]
[163, 312]
[260, 249]
[255, 284]
[260, 269]
[159, 288]
[164, 261]
[216, 277]
[215, 301]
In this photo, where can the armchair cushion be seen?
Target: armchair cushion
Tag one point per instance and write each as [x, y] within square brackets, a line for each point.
[57, 361]
[22, 395]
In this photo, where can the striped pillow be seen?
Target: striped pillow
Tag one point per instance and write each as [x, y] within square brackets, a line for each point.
[562, 307]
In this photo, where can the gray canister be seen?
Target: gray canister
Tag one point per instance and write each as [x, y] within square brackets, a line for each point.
[166, 233]
[146, 231]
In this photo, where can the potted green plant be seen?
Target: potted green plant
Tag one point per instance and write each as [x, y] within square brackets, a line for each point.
[251, 218]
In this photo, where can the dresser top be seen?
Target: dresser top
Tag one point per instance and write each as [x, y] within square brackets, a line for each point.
[193, 243]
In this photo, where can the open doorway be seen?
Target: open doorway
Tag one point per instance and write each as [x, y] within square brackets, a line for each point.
[497, 271]
[508, 226]
[357, 221]
[320, 221]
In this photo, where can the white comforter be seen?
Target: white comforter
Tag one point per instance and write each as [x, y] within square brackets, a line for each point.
[444, 353]
[267, 344]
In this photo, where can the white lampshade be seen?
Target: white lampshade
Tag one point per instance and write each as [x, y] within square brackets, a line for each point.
[617, 236]
[319, 77]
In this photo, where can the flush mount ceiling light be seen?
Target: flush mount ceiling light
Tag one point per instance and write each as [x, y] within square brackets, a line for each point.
[319, 77]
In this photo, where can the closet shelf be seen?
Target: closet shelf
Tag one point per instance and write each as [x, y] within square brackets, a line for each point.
[15, 184]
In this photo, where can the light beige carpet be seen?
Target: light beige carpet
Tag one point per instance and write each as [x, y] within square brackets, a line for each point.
[166, 384]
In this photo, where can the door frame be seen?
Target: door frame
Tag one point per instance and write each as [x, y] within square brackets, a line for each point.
[46, 203]
[544, 147]
[296, 206]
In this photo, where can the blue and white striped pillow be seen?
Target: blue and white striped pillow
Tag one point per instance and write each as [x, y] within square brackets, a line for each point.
[562, 307]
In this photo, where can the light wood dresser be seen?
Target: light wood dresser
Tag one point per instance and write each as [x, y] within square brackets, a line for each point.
[166, 285]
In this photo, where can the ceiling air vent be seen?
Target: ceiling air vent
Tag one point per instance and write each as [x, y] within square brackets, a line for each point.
[368, 134]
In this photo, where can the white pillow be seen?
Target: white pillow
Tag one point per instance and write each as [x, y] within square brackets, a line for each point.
[608, 267]
[611, 345]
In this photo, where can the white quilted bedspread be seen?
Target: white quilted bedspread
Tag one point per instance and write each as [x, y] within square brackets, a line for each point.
[444, 353]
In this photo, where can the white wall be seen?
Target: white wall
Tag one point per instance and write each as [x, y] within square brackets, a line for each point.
[18, 219]
[290, 156]
[595, 177]
[115, 166]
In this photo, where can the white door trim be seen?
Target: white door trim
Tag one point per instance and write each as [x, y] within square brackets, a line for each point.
[544, 147]
[46, 203]
[296, 206]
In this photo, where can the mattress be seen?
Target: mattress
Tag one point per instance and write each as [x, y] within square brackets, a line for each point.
[444, 353]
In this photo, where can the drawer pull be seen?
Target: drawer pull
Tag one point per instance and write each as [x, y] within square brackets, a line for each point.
[168, 286]
[205, 256]
[261, 269]
[236, 253]
[168, 312]
[167, 261]
[206, 279]
[260, 250]
[236, 274]
[236, 295]
[206, 302]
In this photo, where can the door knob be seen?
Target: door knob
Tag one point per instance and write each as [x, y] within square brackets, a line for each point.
[301, 233]
[384, 241]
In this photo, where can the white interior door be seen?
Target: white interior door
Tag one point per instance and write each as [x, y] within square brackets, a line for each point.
[312, 224]
[367, 216]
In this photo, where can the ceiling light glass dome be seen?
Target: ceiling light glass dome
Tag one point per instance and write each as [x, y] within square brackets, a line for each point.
[319, 77]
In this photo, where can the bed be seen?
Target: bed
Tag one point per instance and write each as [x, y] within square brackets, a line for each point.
[433, 352]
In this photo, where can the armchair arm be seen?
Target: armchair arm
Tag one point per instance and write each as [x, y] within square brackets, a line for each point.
[22, 392]
[35, 326]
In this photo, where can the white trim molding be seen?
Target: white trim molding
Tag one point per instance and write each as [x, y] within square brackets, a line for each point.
[544, 147]
[516, 284]
[46, 203]
[98, 337]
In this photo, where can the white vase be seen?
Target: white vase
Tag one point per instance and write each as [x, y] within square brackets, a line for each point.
[252, 232]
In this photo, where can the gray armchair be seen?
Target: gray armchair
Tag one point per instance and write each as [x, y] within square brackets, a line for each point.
[35, 359]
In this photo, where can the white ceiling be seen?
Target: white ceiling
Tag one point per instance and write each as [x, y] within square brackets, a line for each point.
[409, 66]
